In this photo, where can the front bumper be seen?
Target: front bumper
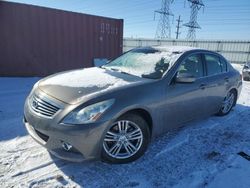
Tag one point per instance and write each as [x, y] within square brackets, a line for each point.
[86, 139]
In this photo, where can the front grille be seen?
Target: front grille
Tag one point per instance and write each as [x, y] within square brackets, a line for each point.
[43, 107]
[42, 136]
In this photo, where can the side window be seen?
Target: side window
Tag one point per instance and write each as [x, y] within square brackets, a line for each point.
[214, 66]
[192, 65]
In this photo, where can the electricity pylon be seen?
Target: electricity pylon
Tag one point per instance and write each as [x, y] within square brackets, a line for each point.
[195, 6]
[164, 29]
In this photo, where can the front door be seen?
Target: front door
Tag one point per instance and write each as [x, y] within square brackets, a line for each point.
[185, 101]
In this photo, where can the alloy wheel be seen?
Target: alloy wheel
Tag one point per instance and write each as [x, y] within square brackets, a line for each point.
[228, 102]
[123, 139]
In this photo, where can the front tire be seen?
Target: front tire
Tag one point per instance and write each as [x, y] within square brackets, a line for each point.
[126, 140]
[228, 103]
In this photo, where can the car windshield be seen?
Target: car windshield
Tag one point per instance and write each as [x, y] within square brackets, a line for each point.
[144, 62]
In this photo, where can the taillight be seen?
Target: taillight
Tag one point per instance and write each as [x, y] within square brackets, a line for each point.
[240, 76]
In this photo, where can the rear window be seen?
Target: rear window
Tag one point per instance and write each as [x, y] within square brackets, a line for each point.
[215, 65]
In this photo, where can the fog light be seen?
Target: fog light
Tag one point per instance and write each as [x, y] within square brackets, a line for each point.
[66, 146]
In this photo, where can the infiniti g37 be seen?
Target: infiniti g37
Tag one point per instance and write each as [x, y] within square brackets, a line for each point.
[114, 111]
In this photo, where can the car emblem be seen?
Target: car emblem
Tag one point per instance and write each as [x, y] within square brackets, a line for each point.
[34, 104]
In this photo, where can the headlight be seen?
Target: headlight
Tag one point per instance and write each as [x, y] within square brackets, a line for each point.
[88, 114]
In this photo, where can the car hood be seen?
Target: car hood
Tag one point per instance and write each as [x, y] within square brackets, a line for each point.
[75, 86]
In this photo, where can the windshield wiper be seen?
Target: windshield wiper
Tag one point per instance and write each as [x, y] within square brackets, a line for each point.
[114, 69]
[126, 73]
[120, 71]
[102, 67]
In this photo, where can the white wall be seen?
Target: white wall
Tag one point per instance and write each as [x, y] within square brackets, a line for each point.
[234, 51]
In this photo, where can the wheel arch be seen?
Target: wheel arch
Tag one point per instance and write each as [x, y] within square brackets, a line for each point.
[145, 114]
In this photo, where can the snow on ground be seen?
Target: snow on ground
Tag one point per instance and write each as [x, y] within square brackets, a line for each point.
[203, 153]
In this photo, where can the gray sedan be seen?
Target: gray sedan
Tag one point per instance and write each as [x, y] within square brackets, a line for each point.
[114, 111]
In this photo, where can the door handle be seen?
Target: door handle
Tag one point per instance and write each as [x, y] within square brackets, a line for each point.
[226, 80]
[203, 86]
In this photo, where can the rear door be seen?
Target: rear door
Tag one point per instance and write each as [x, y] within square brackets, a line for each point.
[217, 80]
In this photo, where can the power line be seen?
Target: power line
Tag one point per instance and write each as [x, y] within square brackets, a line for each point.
[206, 22]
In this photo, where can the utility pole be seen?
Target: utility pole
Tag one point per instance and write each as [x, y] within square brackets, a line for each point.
[195, 6]
[178, 27]
[164, 29]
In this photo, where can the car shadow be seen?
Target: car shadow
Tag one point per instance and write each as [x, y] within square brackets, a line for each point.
[197, 146]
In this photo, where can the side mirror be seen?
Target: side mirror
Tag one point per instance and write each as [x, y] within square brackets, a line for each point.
[185, 78]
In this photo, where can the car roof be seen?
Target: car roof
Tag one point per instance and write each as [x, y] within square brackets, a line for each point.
[175, 49]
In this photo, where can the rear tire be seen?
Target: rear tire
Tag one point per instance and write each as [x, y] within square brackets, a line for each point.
[126, 140]
[228, 103]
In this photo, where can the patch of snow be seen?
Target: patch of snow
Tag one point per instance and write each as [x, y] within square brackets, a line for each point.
[238, 67]
[203, 153]
[137, 63]
[175, 48]
[236, 174]
[88, 77]
[175, 143]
